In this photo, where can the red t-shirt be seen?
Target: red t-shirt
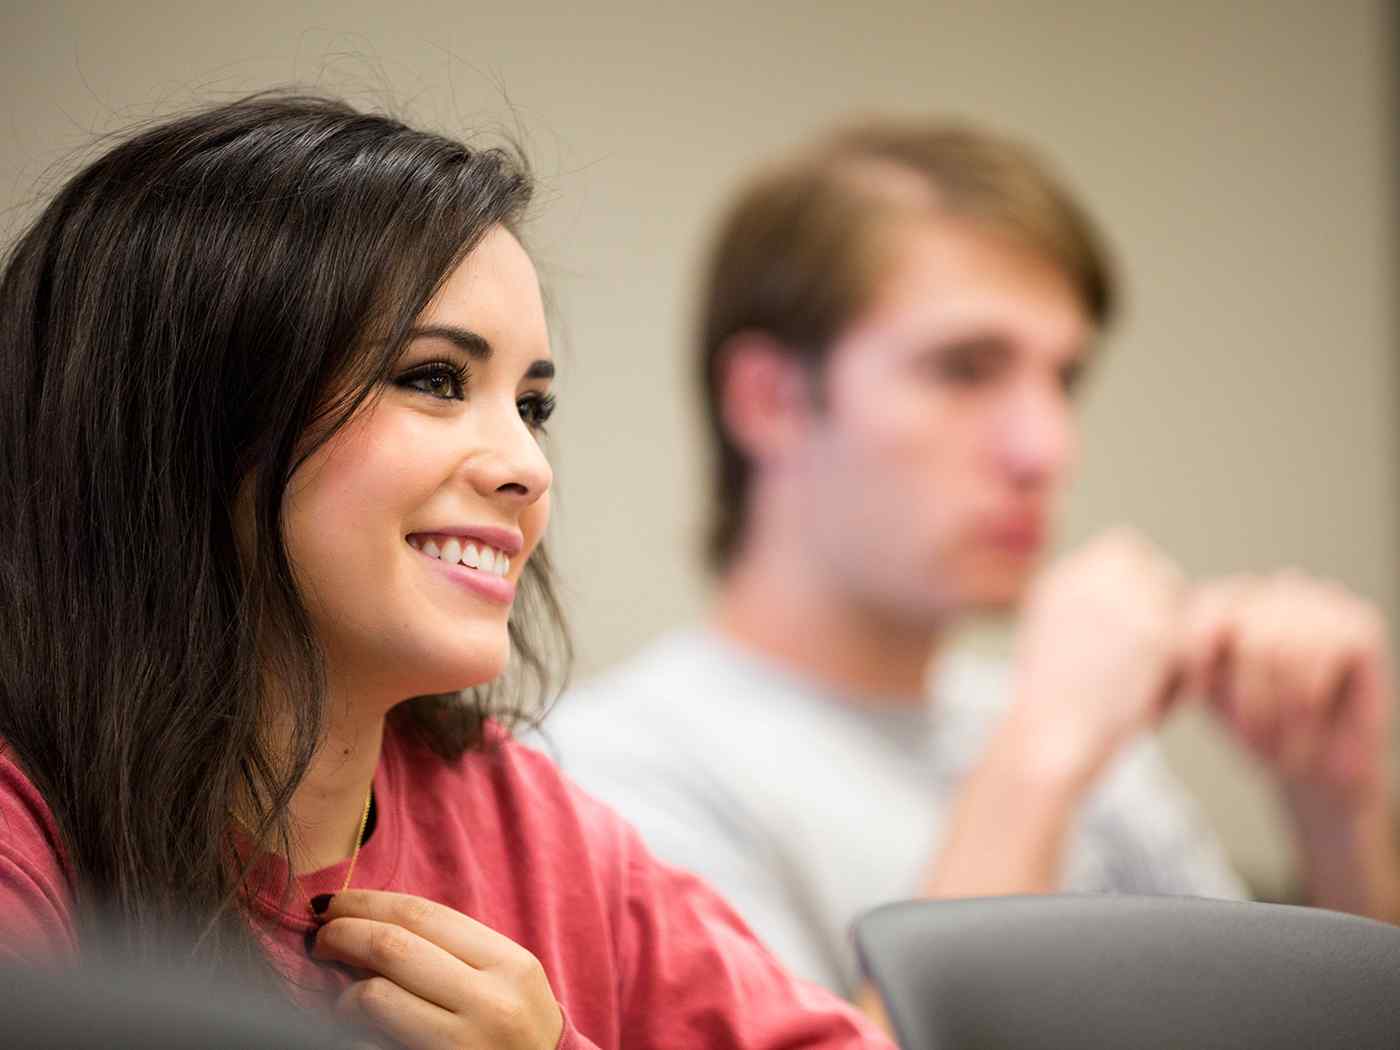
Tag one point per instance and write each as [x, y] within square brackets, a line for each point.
[638, 953]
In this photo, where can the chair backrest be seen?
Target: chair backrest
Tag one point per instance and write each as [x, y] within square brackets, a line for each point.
[135, 1007]
[1134, 973]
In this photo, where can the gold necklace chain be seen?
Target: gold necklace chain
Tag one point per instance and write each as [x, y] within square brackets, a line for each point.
[354, 856]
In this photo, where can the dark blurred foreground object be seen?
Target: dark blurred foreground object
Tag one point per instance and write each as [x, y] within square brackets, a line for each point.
[1054, 972]
[118, 1007]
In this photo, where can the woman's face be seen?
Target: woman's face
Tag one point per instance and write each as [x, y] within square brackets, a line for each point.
[409, 530]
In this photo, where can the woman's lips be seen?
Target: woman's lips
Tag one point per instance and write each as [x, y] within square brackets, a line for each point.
[497, 589]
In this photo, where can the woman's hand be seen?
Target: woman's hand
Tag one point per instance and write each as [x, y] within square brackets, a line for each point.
[438, 979]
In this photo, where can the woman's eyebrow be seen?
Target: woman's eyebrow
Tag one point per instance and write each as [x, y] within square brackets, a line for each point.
[477, 346]
[464, 339]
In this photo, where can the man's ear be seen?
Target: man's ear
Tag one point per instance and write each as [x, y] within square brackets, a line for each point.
[765, 396]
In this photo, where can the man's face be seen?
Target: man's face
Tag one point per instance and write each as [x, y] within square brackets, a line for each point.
[931, 473]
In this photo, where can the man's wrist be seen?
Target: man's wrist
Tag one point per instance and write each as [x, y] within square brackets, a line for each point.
[1330, 809]
[1350, 850]
[1011, 818]
[1044, 755]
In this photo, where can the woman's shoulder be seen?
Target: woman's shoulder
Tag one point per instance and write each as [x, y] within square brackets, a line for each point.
[26, 822]
[36, 880]
[507, 784]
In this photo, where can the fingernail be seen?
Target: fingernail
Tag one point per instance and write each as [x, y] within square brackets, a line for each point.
[309, 941]
[321, 902]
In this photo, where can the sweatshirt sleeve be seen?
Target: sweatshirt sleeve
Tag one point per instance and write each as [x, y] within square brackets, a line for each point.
[35, 888]
[695, 975]
[572, 1039]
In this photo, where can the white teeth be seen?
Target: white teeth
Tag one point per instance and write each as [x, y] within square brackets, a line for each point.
[454, 550]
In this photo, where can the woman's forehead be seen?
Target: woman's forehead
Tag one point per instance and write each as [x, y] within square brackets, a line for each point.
[495, 293]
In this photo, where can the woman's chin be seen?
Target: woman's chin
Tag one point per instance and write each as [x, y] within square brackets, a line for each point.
[481, 667]
[419, 662]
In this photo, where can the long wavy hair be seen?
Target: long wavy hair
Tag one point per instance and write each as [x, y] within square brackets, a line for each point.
[205, 304]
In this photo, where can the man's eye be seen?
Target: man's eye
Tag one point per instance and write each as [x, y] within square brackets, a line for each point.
[440, 379]
[967, 370]
[536, 409]
[1071, 378]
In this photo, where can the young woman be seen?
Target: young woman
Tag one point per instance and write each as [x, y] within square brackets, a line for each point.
[270, 453]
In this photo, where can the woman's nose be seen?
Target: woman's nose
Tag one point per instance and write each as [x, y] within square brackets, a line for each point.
[514, 465]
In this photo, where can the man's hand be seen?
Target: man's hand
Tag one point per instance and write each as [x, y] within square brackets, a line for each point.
[1298, 670]
[1098, 653]
[438, 978]
[1097, 661]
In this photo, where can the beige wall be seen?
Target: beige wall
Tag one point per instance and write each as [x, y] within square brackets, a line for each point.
[1240, 154]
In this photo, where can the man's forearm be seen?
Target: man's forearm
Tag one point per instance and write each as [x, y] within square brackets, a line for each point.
[1008, 827]
[1350, 855]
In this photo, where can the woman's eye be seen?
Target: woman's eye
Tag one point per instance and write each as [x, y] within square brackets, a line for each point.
[441, 380]
[536, 409]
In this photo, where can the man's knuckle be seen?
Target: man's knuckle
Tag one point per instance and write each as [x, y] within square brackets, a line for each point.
[1373, 631]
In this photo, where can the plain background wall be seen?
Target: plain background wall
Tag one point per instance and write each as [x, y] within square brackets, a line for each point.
[1240, 155]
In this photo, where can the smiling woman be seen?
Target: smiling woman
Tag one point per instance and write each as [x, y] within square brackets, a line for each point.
[445, 458]
[275, 593]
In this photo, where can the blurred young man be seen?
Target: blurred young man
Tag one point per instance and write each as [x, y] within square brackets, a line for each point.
[894, 323]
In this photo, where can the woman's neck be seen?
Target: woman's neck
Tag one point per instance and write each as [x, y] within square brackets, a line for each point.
[329, 804]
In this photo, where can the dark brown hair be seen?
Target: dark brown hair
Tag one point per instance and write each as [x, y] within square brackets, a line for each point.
[206, 303]
[800, 250]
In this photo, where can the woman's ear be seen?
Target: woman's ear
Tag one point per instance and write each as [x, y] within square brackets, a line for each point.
[765, 396]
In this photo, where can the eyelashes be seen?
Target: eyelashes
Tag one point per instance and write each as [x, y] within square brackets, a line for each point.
[446, 380]
[536, 409]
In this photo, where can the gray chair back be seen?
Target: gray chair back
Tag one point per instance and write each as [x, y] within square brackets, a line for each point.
[1133, 973]
[110, 1006]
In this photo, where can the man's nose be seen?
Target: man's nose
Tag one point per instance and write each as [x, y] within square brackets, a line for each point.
[1038, 437]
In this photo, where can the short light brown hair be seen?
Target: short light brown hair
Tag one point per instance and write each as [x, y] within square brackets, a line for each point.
[802, 248]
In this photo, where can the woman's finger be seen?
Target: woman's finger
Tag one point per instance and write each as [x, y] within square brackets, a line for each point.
[398, 1013]
[408, 960]
[460, 935]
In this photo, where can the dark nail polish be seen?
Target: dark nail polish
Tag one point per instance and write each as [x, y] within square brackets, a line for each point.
[321, 902]
[309, 941]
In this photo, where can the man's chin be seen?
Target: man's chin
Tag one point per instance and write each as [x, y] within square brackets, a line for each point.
[996, 595]
[992, 608]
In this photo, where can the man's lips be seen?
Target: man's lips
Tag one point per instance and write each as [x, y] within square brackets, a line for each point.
[1024, 535]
